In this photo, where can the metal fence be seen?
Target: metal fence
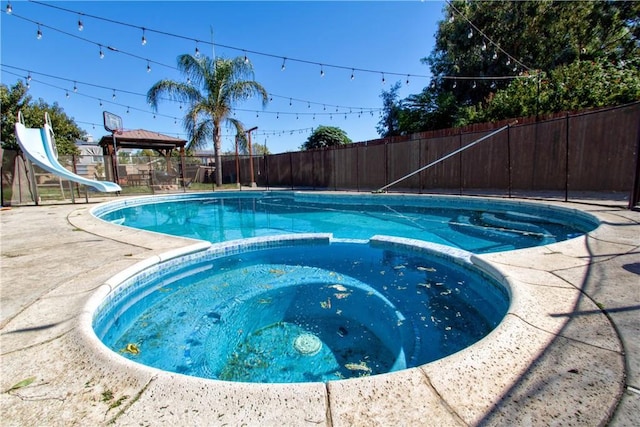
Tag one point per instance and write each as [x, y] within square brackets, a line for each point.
[567, 154]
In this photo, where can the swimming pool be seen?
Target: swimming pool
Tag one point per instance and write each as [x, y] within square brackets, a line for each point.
[473, 224]
[302, 308]
[229, 220]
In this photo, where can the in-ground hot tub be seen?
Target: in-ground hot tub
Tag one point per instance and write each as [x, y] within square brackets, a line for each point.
[300, 308]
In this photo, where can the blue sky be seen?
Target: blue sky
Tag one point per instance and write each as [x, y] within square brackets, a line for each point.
[386, 38]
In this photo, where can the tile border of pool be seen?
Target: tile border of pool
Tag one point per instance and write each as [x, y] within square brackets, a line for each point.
[460, 389]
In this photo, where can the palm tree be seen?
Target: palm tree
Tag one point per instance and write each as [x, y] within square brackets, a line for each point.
[212, 89]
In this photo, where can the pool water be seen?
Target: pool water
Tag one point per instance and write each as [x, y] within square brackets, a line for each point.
[304, 312]
[475, 225]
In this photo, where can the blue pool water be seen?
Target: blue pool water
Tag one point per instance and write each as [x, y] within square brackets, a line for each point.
[299, 312]
[472, 224]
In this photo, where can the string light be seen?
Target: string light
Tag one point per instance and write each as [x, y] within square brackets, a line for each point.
[197, 53]
[66, 94]
[321, 71]
[80, 25]
[353, 74]
[114, 94]
[283, 66]
[407, 80]
[9, 8]
[101, 52]
[148, 67]
[144, 39]
[470, 33]
[75, 87]
[39, 33]
[383, 80]
[484, 46]
[246, 60]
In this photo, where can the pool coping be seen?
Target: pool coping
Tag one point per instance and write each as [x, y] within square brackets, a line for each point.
[540, 350]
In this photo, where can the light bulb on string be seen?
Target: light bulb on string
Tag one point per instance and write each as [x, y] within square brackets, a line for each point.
[39, 33]
[321, 71]
[80, 25]
[407, 82]
[470, 33]
[100, 102]
[9, 8]
[290, 103]
[455, 84]
[353, 74]
[127, 110]
[101, 52]
[495, 55]
[308, 105]
[28, 84]
[75, 87]
[484, 46]
[114, 94]
[197, 52]
[29, 77]
[246, 60]
[474, 85]
[148, 67]
[452, 18]
[508, 61]
[66, 94]
[144, 39]
[383, 80]
[282, 68]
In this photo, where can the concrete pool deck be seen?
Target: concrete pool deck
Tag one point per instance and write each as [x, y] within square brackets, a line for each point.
[567, 353]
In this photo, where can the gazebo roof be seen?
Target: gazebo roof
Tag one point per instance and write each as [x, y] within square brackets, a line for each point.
[143, 139]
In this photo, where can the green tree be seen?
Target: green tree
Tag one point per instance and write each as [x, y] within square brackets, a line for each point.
[213, 88]
[326, 136]
[12, 100]
[390, 117]
[523, 43]
[16, 99]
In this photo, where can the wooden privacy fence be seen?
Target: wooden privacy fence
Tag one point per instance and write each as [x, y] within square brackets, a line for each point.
[566, 153]
[591, 151]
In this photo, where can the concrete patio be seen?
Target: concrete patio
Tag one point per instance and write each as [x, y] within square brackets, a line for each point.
[567, 353]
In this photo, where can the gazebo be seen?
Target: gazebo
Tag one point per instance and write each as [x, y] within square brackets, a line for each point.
[142, 139]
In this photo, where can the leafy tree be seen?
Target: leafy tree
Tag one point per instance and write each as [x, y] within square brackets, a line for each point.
[548, 56]
[12, 100]
[16, 99]
[389, 120]
[326, 136]
[212, 89]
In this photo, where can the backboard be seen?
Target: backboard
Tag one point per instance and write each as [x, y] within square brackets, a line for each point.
[112, 123]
